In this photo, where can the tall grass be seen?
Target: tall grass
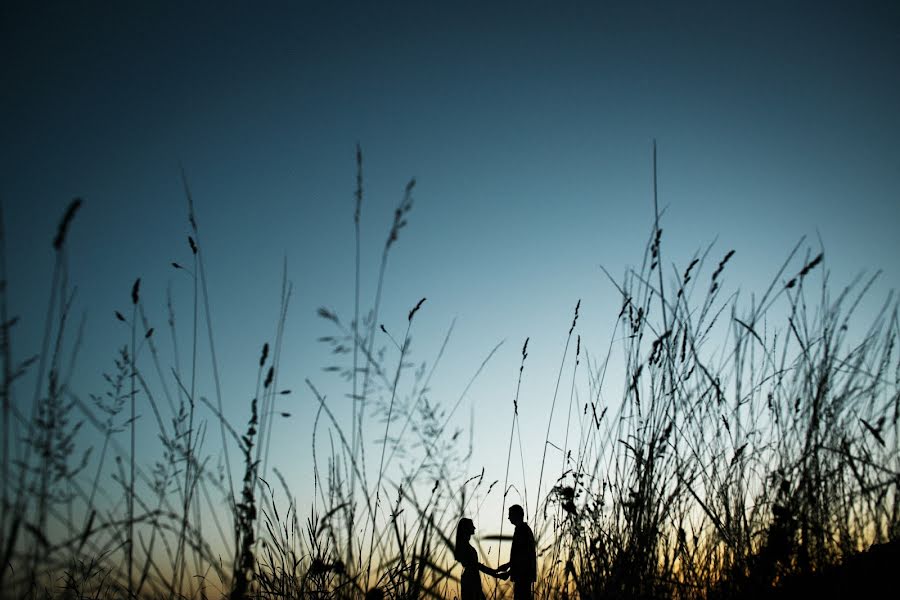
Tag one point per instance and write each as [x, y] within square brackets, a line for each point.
[746, 445]
[741, 453]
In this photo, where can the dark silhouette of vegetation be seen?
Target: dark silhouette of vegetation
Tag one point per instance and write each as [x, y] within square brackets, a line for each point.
[716, 448]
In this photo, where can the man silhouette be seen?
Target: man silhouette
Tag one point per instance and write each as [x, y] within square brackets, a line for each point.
[522, 565]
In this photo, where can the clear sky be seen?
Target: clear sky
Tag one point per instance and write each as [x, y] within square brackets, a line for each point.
[528, 126]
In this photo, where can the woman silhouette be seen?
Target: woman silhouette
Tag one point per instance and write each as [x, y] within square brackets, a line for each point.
[470, 582]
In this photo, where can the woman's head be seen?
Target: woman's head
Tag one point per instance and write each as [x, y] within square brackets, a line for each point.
[465, 527]
[464, 530]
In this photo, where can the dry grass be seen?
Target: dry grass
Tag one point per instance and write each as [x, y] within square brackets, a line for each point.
[747, 446]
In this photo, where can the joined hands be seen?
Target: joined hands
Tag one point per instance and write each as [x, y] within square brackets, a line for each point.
[502, 572]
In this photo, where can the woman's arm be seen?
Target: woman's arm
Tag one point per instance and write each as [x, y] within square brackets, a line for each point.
[487, 569]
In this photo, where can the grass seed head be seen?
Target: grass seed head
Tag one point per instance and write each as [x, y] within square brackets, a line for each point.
[64, 223]
[415, 309]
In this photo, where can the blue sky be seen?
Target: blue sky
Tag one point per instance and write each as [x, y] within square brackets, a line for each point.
[528, 127]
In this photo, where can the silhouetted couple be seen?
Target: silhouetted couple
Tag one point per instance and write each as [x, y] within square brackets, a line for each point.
[521, 568]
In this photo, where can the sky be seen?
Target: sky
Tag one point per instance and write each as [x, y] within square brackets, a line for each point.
[528, 126]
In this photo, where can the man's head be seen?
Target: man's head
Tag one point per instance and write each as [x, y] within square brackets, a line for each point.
[516, 514]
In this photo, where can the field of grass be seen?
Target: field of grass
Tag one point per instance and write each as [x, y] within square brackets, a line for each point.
[714, 449]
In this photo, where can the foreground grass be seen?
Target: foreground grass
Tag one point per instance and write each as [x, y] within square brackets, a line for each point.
[748, 449]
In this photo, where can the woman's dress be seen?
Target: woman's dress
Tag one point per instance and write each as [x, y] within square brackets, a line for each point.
[470, 582]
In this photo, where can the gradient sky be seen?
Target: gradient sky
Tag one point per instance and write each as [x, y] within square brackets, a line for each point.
[528, 126]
